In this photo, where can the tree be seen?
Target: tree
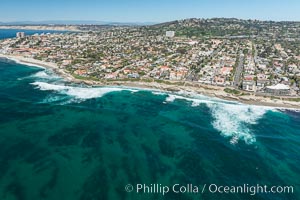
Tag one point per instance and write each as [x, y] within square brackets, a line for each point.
[181, 50]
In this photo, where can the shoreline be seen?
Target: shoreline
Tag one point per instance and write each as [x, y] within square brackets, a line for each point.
[206, 90]
[213, 94]
[40, 64]
[40, 27]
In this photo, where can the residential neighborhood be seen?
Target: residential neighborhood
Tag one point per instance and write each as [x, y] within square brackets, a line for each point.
[254, 63]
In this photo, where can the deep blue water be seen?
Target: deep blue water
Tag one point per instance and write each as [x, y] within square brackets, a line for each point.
[11, 33]
[64, 141]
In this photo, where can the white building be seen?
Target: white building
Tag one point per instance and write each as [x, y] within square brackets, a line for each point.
[279, 89]
[170, 33]
[20, 34]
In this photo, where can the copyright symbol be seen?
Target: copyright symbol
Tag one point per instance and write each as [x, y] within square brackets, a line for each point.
[129, 188]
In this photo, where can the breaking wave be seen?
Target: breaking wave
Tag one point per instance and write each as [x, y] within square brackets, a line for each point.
[232, 119]
[42, 75]
[81, 93]
[196, 99]
[45, 75]
[158, 93]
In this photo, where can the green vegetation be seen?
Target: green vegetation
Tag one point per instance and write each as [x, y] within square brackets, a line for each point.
[293, 99]
[273, 97]
[232, 91]
[85, 78]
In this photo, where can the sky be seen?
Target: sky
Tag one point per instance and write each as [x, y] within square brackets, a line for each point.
[147, 10]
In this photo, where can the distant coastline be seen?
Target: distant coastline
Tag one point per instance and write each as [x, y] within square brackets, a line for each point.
[207, 90]
[41, 27]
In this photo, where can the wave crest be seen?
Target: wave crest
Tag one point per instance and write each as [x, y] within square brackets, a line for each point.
[232, 119]
[78, 92]
[45, 75]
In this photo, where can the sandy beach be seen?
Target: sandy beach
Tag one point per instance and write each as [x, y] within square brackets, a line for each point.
[207, 90]
[37, 63]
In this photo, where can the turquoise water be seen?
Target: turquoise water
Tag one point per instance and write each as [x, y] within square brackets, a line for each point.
[65, 141]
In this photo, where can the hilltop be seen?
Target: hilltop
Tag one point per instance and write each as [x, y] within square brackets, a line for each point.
[193, 27]
[231, 27]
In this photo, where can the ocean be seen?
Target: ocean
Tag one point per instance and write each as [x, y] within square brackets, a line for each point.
[60, 140]
[11, 33]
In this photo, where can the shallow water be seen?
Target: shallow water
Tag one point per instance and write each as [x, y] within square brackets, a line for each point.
[64, 141]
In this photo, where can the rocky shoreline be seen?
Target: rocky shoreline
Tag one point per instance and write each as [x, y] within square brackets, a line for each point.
[207, 90]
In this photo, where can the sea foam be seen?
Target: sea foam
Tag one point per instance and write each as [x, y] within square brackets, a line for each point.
[232, 119]
[45, 75]
[78, 92]
[196, 99]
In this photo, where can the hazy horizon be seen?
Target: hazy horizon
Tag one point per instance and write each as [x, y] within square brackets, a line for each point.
[147, 11]
[99, 22]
